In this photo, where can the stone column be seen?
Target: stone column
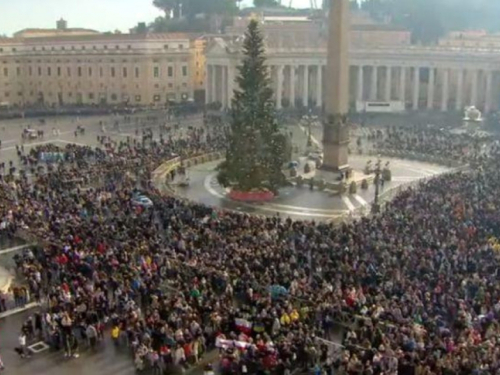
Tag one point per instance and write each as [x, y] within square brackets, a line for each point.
[373, 88]
[388, 84]
[213, 94]
[460, 90]
[445, 93]
[473, 94]
[416, 87]
[487, 99]
[292, 85]
[230, 84]
[319, 86]
[224, 86]
[360, 83]
[430, 89]
[402, 85]
[305, 87]
[208, 81]
[279, 88]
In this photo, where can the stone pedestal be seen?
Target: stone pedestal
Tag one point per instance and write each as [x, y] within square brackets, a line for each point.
[335, 143]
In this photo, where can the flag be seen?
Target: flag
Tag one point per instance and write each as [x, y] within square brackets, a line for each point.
[243, 325]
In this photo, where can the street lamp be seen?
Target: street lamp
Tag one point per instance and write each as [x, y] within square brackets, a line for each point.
[376, 204]
[309, 119]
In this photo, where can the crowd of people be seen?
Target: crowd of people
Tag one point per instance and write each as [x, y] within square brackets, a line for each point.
[428, 143]
[177, 279]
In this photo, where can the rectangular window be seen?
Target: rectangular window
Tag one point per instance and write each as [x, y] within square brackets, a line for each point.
[39, 71]
[49, 71]
[136, 72]
[112, 72]
[184, 71]
[90, 72]
[170, 71]
[79, 71]
[5, 72]
[18, 71]
[58, 71]
[91, 96]
[68, 71]
[124, 72]
[30, 70]
[156, 72]
[100, 72]
[181, 46]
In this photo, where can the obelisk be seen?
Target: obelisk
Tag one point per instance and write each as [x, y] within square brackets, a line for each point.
[335, 130]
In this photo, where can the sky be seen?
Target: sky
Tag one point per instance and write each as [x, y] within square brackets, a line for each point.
[101, 15]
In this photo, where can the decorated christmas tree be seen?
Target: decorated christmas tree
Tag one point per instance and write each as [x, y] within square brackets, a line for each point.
[256, 149]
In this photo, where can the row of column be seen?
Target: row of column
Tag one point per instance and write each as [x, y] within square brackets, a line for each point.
[306, 83]
[286, 80]
[413, 76]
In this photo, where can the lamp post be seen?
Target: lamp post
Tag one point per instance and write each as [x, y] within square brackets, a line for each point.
[309, 119]
[376, 204]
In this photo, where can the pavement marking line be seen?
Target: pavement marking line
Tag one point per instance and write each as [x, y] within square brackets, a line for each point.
[296, 213]
[269, 208]
[10, 141]
[15, 248]
[360, 200]
[348, 203]
[19, 309]
[307, 209]
[415, 168]
[209, 188]
[38, 347]
[29, 145]
[406, 179]
[286, 206]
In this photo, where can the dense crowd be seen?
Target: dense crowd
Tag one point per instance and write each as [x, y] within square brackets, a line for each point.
[430, 143]
[180, 278]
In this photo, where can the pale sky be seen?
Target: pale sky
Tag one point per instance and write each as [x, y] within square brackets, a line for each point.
[102, 15]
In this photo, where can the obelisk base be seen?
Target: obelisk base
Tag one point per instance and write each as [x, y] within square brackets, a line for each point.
[335, 143]
[335, 158]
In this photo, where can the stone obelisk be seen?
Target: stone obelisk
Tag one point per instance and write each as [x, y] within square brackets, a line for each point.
[336, 132]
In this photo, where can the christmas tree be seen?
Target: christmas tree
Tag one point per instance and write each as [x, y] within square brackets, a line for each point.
[256, 149]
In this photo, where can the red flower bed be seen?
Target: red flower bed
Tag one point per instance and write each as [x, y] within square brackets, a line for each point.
[251, 196]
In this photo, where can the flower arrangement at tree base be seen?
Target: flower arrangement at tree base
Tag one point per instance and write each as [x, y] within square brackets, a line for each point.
[252, 196]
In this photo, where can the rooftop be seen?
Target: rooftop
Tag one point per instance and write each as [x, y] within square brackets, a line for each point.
[99, 37]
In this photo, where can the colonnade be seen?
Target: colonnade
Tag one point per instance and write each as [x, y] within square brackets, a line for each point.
[418, 87]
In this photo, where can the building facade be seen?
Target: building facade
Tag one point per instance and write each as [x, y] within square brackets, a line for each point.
[69, 68]
[440, 78]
